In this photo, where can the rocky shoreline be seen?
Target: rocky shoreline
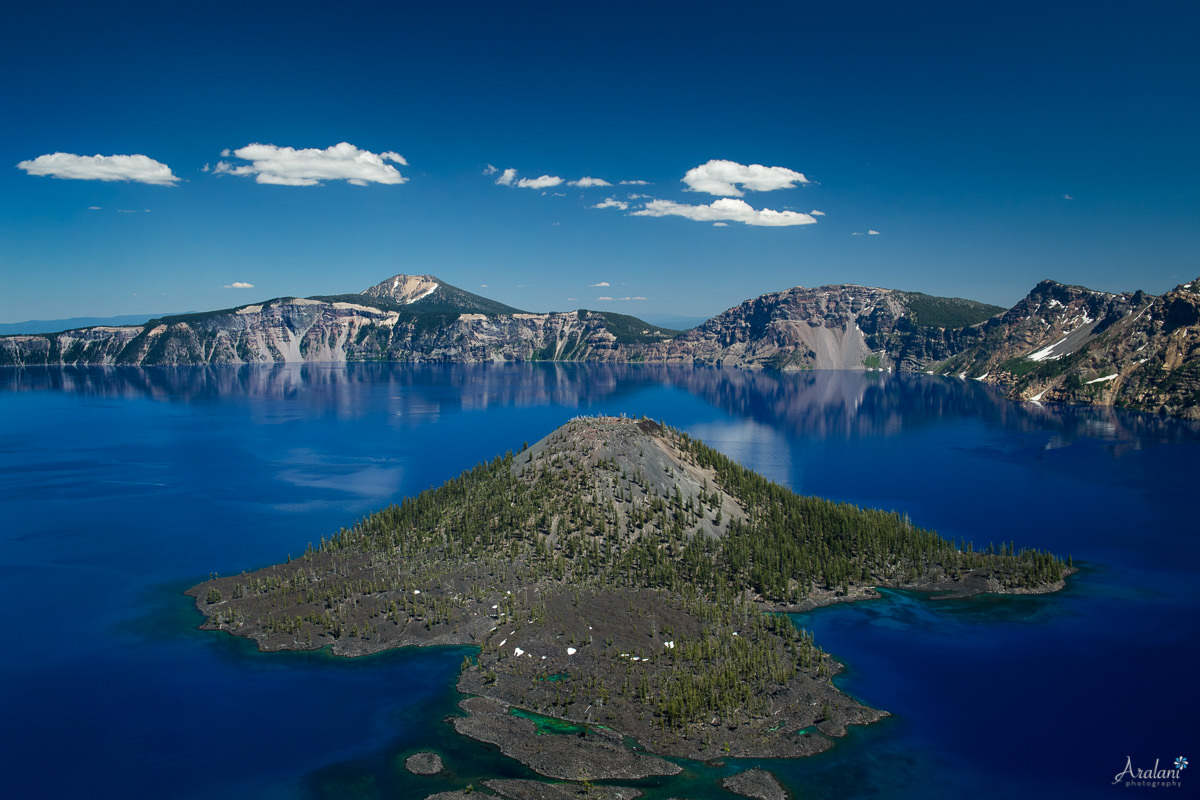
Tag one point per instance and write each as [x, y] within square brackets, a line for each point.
[597, 752]
[756, 783]
[594, 754]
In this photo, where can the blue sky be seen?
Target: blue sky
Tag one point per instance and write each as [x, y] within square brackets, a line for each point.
[956, 149]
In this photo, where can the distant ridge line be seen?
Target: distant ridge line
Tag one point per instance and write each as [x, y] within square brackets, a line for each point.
[1065, 344]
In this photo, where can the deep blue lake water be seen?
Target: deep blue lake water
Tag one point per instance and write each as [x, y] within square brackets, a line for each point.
[120, 488]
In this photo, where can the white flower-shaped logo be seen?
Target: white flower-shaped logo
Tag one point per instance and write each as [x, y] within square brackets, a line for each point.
[1181, 763]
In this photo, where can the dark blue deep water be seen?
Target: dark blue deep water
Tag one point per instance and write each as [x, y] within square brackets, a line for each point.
[120, 488]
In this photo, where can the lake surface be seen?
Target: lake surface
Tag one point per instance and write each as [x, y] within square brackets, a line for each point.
[119, 488]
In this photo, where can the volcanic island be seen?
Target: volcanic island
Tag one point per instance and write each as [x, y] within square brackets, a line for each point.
[626, 582]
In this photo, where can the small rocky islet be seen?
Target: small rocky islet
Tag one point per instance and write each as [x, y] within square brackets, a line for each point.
[622, 582]
[424, 763]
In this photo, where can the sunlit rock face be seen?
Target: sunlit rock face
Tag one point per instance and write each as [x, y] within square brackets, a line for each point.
[1073, 345]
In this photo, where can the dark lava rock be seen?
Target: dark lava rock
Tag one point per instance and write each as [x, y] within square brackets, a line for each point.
[424, 764]
[562, 757]
[757, 783]
[515, 789]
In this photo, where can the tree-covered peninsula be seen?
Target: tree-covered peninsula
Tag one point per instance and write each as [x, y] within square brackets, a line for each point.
[622, 577]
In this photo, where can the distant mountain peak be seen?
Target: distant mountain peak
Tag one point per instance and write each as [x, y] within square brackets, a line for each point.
[405, 288]
[430, 293]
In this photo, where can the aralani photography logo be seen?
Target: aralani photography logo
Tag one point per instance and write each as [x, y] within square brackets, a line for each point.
[1152, 778]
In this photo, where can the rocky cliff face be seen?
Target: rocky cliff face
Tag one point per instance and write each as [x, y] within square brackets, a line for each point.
[797, 329]
[300, 330]
[101, 345]
[1074, 345]
[829, 327]
[418, 319]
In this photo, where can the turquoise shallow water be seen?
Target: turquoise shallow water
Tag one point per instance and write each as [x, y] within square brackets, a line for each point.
[119, 488]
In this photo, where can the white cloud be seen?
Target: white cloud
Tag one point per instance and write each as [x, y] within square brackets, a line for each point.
[509, 178]
[723, 177]
[490, 170]
[1067, 197]
[720, 224]
[585, 183]
[816, 213]
[93, 208]
[725, 209]
[544, 182]
[604, 298]
[601, 283]
[635, 183]
[612, 202]
[287, 166]
[872, 233]
[136, 168]
[238, 285]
